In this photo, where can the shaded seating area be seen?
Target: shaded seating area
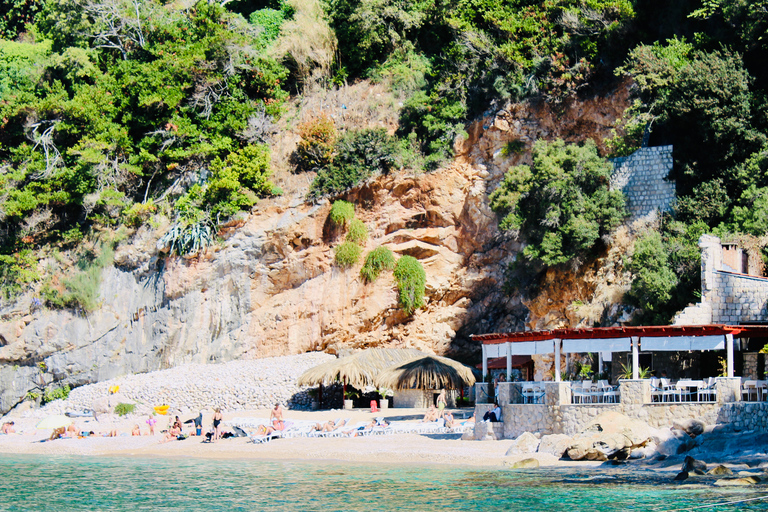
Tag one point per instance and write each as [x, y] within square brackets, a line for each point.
[754, 391]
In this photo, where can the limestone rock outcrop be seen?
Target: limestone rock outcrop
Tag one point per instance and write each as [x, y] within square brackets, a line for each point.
[610, 435]
[270, 288]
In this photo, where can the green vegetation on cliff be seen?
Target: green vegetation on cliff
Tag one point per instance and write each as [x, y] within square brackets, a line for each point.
[561, 205]
[118, 112]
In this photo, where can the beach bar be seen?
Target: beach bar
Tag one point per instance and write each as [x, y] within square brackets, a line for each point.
[556, 406]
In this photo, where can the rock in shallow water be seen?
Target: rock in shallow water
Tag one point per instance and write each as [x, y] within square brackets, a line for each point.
[524, 464]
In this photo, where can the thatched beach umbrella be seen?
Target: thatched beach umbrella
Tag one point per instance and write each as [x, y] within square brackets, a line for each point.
[358, 369]
[426, 372]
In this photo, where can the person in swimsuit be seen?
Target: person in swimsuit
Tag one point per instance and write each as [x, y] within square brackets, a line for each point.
[217, 417]
[276, 417]
[151, 422]
[441, 402]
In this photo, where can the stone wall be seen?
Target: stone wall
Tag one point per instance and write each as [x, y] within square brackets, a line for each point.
[745, 416]
[641, 176]
[738, 298]
[558, 416]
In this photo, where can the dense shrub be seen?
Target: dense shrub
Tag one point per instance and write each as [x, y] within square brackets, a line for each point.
[358, 232]
[238, 180]
[17, 271]
[378, 260]
[123, 409]
[55, 393]
[342, 212]
[347, 254]
[99, 114]
[562, 204]
[316, 149]
[411, 283]
[359, 154]
[667, 270]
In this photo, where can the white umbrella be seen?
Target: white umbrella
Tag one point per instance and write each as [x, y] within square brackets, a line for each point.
[55, 421]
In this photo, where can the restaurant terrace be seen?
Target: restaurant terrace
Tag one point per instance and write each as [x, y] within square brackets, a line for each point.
[556, 406]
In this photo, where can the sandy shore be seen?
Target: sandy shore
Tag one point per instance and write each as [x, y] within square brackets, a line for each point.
[397, 448]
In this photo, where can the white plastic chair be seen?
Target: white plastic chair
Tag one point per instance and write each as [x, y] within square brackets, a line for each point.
[657, 393]
[762, 390]
[577, 392]
[610, 393]
[669, 392]
[528, 394]
[748, 390]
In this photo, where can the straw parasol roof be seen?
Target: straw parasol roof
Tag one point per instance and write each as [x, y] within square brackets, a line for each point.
[359, 369]
[426, 372]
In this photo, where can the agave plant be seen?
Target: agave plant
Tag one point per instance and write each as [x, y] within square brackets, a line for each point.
[186, 239]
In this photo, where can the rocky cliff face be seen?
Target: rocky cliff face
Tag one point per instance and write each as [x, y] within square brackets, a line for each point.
[271, 287]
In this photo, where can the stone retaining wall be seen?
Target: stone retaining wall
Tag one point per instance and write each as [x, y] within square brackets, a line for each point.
[558, 416]
[641, 176]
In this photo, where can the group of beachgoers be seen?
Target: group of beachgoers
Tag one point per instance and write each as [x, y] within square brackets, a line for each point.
[175, 430]
[437, 411]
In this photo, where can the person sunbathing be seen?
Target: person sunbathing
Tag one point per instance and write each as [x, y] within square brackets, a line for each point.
[449, 421]
[57, 433]
[265, 430]
[173, 433]
[8, 428]
[136, 430]
[359, 430]
[431, 415]
[71, 431]
[328, 426]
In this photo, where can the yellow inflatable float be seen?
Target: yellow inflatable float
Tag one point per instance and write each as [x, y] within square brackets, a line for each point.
[161, 409]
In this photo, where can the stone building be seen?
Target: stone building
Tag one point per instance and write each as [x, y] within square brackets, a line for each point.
[733, 290]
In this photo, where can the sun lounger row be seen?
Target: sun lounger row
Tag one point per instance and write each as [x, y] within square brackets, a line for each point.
[258, 434]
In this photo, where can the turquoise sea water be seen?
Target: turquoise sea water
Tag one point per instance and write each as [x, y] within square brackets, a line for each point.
[134, 484]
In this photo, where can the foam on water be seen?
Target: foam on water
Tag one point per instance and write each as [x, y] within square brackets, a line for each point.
[135, 484]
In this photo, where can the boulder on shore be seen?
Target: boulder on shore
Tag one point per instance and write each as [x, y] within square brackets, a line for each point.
[690, 426]
[555, 444]
[736, 482]
[691, 465]
[525, 443]
[610, 435]
[719, 471]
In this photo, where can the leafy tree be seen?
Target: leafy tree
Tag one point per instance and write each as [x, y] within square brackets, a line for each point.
[561, 205]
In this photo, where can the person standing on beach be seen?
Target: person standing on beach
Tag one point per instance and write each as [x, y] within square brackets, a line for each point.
[441, 403]
[151, 422]
[217, 417]
[276, 417]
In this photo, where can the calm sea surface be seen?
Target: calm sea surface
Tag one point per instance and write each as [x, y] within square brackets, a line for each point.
[133, 484]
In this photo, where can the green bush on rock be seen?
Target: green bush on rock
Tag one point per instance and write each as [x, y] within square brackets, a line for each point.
[347, 254]
[411, 283]
[342, 212]
[378, 260]
[358, 232]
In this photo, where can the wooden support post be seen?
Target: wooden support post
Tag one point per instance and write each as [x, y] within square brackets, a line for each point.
[557, 360]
